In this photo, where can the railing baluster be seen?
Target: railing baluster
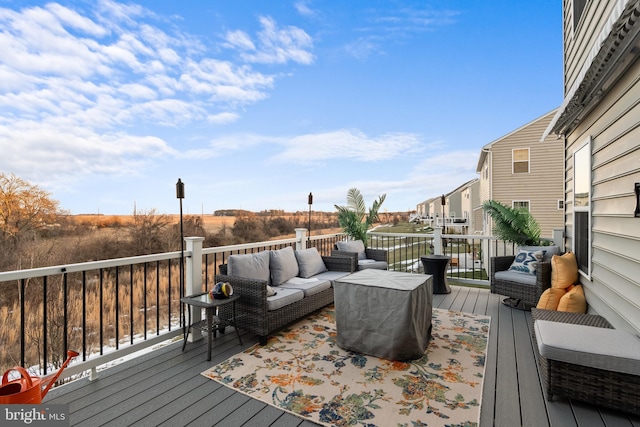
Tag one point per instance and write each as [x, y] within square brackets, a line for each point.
[131, 302]
[45, 324]
[157, 297]
[117, 306]
[101, 299]
[65, 308]
[84, 315]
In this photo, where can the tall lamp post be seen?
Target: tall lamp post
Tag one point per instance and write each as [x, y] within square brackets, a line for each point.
[310, 201]
[180, 196]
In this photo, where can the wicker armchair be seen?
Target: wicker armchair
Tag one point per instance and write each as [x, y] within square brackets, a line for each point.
[378, 256]
[597, 386]
[527, 294]
[252, 313]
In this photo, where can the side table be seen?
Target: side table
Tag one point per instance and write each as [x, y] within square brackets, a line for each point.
[210, 325]
[437, 266]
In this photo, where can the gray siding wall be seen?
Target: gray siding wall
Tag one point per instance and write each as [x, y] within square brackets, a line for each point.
[543, 185]
[613, 290]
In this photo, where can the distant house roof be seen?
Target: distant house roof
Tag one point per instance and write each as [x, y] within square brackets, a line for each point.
[485, 150]
[610, 56]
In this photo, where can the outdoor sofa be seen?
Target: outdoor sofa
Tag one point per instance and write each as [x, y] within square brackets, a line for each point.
[278, 287]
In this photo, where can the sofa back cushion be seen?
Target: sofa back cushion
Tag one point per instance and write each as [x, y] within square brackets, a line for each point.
[310, 262]
[283, 264]
[250, 266]
[352, 246]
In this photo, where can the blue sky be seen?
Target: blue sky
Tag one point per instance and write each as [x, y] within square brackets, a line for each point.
[254, 104]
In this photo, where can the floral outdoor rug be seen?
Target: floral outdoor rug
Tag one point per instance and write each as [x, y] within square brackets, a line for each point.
[303, 371]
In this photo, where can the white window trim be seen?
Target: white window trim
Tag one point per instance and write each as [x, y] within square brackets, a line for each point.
[513, 161]
[528, 202]
[586, 143]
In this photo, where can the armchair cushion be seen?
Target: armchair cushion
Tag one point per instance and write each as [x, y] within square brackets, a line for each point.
[547, 251]
[283, 264]
[564, 270]
[514, 276]
[526, 261]
[310, 262]
[352, 246]
[250, 266]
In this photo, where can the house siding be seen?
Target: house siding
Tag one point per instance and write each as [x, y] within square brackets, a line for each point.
[542, 186]
[613, 289]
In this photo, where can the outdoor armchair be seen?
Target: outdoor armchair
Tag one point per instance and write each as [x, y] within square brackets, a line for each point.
[362, 258]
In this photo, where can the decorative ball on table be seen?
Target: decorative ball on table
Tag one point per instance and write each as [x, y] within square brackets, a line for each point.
[221, 290]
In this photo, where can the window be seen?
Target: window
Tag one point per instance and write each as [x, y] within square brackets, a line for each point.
[520, 204]
[560, 205]
[520, 160]
[578, 8]
[582, 207]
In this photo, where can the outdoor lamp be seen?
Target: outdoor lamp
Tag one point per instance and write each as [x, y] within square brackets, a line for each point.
[310, 201]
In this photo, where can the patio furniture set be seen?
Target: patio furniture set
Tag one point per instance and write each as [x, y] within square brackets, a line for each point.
[580, 355]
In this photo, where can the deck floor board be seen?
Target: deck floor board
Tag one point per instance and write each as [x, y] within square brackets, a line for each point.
[165, 386]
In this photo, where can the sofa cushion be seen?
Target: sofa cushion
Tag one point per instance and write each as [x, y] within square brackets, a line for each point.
[310, 286]
[332, 275]
[526, 261]
[550, 298]
[283, 297]
[603, 348]
[283, 265]
[547, 251]
[352, 246]
[573, 301]
[250, 266]
[309, 262]
[514, 276]
[564, 270]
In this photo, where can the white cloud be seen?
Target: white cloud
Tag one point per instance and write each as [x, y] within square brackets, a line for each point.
[275, 45]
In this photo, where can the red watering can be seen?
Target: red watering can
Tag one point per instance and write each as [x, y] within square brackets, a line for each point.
[28, 390]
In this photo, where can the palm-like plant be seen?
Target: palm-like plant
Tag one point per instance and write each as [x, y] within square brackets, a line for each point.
[513, 225]
[353, 218]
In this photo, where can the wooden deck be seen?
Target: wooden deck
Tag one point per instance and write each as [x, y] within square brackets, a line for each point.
[165, 387]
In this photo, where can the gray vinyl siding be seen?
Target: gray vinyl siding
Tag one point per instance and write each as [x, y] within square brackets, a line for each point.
[614, 126]
[578, 43]
[543, 185]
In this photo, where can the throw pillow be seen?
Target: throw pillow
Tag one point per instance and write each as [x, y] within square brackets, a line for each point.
[352, 246]
[310, 263]
[526, 261]
[550, 299]
[573, 301]
[548, 251]
[564, 270]
[250, 266]
[283, 265]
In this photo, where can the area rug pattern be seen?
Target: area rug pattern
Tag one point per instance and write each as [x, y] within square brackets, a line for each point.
[302, 370]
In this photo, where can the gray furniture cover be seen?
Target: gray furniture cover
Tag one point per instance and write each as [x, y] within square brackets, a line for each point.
[384, 313]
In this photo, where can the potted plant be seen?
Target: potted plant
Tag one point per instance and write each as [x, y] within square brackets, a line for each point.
[353, 217]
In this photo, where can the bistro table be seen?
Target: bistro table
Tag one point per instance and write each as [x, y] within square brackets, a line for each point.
[436, 265]
[211, 324]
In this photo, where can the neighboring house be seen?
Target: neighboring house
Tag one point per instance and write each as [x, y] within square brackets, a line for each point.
[519, 170]
[469, 204]
[599, 124]
[459, 206]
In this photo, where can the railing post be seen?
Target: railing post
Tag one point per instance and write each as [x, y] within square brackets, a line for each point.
[193, 280]
[437, 241]
[301, 239]
[558, 238]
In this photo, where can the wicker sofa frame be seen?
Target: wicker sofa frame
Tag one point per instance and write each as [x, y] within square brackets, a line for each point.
[520, 291]
[597, 386]
[252, 313]
[374, 254]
